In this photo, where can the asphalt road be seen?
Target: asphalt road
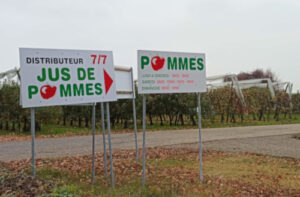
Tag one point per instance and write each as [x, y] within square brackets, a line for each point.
[277, 145]
[79, 145]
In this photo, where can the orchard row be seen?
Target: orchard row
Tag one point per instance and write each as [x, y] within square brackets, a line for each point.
[218, 106]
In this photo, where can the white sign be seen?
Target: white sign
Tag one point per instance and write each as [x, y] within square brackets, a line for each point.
[171, 72]
[63, 77]
[124, 83]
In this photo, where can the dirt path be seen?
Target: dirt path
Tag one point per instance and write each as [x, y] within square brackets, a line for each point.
[82, 144]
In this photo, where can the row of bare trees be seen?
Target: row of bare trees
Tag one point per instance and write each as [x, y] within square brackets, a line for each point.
[218, 105]
[221, 105]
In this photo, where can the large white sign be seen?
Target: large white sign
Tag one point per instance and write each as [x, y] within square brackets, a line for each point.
[63, 77]
[171, 72]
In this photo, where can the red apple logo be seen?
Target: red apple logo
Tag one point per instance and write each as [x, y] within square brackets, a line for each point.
[157, 63]
[47, 91]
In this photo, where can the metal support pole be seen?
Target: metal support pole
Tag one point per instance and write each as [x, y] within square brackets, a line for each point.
[103, 137]
[144, 140]
[93, 144]
[32, 120]
[200, 138]
[135, 132]
[134, 118]
[110, 149]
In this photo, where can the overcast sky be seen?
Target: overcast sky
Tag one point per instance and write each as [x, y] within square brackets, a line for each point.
[236, 35]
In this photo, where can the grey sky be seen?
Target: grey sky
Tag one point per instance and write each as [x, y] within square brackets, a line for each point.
[236, 35]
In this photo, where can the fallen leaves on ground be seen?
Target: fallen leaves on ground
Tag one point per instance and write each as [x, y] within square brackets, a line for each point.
[21, 184]
[177, 171]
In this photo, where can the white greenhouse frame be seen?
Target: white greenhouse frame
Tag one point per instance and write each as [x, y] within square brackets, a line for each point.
[246, 84]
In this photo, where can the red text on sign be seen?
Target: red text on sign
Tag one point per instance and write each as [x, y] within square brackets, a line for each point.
[99, 57]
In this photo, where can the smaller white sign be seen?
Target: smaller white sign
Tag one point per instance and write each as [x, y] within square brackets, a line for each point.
[171, 72]
[64, 77]
[124, 83]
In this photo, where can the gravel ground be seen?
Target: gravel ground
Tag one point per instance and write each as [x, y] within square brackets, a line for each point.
[280, 145]
[251, 139]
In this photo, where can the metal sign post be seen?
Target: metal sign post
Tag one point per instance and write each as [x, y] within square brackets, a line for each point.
[200, 137]
[170, 72]
[135, 132]
[144, 140]
[91, 80]
[126, 90]
[32, 119]
[103, 137]
[93, 143]
[134, 118]
[110, 149]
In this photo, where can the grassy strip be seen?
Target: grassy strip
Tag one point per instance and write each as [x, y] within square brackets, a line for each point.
[173, 172]
[58, 130]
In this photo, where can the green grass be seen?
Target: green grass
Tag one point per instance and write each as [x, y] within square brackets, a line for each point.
[164, 179]
[72, 185]
[50, 129]
[172, 172]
